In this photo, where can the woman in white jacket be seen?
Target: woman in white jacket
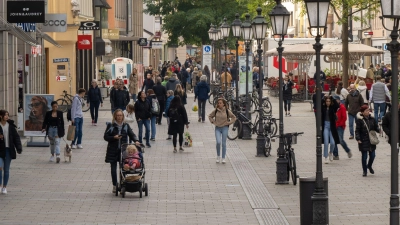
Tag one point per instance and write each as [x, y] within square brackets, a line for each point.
[341, 92]
[129, 114]
[362, 88]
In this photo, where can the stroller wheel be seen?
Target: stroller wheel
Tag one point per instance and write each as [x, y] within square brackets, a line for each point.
[123, 192]
[140, 193]
[146, 190]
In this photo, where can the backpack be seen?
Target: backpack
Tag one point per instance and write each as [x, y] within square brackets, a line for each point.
[155, 106]
[173, 114]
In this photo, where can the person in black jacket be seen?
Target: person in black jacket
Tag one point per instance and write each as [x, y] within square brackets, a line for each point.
[328, 119]
[116, 134]
[148, 83]
[94, 99]
[9, 142]
[365, 123]
[386, 124]
[287, 94]
[161, 93]
[177, 123]
[143, 116]
[53, 124]
[112, 93]
[121, 97]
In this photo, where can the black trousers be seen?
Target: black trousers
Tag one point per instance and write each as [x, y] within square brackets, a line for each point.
[162, 107]
[114, 173]
[94, 111]
[184, 86]
[180, 139]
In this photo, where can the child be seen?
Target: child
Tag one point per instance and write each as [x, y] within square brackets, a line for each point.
[128, 113]
[131, 161]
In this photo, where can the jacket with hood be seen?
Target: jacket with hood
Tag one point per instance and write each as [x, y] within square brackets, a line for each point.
[362, 131]
[332, 119]
[142, 110]
[76, 108]
[160, 91]
[353, 103]
[121, 98]
[113, 153]
[194, 75]
[386, 125]
[363, 90]
[167, 103]
[147, 84]
[94, 95]
[341, 117]
[13, 139]
[201, 91]
[171, 84]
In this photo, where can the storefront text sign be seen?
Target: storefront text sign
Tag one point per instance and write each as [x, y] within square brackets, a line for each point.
[55, 23]
[111, 34]
[90, 25]
[60, 60]
[61, 78]
[84, 42]
[25, 11]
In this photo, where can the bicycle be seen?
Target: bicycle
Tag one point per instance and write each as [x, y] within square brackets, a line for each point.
[288, 140]
[213, 93]
[266, 104]
[66, 102]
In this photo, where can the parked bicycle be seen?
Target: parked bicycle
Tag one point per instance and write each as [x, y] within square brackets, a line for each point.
[66, 102]
[290, 139]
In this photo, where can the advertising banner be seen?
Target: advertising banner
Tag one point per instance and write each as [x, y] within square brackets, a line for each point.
[55, 23]
[35, 108]
[25, 11]
[242, 75]
[84, 42]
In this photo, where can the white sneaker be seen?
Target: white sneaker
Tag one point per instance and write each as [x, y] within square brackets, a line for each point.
[218, 159]
[330, 156]
[114, 189]
[73, 146]
[80, 146]
[326, 160]
[4, 190]
[223, 161]
[52, 158]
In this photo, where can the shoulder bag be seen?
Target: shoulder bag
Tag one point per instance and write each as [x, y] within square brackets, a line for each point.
[373, 138]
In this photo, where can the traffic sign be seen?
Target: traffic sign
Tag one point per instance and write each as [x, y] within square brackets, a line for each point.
[207, 50]
[207, 56]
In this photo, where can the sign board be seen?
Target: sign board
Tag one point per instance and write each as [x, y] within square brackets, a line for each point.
[242, 75]
[60, 67]
[368, 33]
[90, 25]
[35, 108]
[20, 64]
[36, 50]
[142, 41]
[55, 23]
[387, 59]
[25, 11]
[84, 42]
[207, 56]
[111, 34]
[27, 27]
[156, 44]
[60, 60]
[61, 78]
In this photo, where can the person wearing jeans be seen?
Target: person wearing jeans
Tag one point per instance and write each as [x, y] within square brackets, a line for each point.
[379, 110]
[353, 102]
[143, 116]
[201, 92]
[330, 134]
[53, 124]
[340, 126]
[94, 99]
[221, 117]
[377, 95]
[77, 118]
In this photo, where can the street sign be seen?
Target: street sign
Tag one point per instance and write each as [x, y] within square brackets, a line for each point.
[207, 50]
[368, 33]
[60, 60]
[207, 56]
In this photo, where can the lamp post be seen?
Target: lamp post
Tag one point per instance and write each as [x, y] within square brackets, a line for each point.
[247, 34]
[211, 36]
[391, 9]
[225, 28]
[217, 38]
[259, 26]
[317, 12]
[236, 24]
[279, 21]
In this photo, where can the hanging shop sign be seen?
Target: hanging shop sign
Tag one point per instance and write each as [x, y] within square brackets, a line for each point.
[27, 27]
[156, 44]
[142, 41]
[36, 50]
[55, 23]
[25, 11]
[84, 42]
[90, 25]
[111, 34]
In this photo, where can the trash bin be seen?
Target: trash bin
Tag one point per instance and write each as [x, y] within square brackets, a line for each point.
[307, 186]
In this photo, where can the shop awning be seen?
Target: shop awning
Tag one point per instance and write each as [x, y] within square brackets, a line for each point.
[101, 4]
[19, 33]
[48, 38]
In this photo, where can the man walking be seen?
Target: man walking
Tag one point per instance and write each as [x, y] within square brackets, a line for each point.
[161, 93]
[340, 126]
[121, 97]
[353, 103]
[77, 118]
[234, 74]
[172, 82]
[377, 95]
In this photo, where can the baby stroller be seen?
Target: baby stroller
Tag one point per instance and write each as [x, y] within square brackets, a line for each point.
[132, 180]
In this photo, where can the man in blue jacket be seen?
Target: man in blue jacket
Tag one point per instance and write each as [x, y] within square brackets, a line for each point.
[201, 92]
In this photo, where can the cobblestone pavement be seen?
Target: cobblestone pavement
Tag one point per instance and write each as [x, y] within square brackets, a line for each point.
[189, 187]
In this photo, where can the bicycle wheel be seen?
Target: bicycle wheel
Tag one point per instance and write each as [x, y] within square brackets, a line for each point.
[234, 130]
[209, 98]
[274, 127]
[267, 107]
[62, 105]
[293, 167]
[215, 101]
[253, 106]
[289, 165]
[85, 107]
[267, 147]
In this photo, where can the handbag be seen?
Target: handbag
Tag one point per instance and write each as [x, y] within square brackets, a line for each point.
[373, 138]
[71, 133]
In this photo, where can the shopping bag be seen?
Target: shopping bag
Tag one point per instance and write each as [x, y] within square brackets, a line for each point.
[195, 107]
[188, 140]
[71, 133]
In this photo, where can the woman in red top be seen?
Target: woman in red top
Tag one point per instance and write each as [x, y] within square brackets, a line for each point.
[340, 127]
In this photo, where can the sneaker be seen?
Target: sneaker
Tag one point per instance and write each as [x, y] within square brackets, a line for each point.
[351, 137]
[148, 145]
[335, 157]
[114, 189]
[223, 161]
[181, 149]
[326, 160]
[52, 158]
[95, 124]
[175, 150]
[330, 156]
[73, 146]
[152, 139]
[218, 159]
[58, 159]
[80, 146]
[349, 154]
[4, 190]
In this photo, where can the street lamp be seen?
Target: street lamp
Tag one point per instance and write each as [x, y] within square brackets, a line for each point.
[225, 28]
[317, 12]
[247, 34]
[391, 9]
[211, 36]
[217, 38]
[259, 26]
[279, 21]
[236, 24]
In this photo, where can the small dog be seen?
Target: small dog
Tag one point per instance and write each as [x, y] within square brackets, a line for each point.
[67, 153]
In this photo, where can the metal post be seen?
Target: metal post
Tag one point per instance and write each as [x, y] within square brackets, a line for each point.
[394, 48]
[212, 62]
[319, 198]
[237, 73]
[281, 161]
[260, 138]
[246, 126]
[226, 67]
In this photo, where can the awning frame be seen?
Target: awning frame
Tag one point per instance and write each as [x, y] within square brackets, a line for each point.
[48, 38]
[19, 33]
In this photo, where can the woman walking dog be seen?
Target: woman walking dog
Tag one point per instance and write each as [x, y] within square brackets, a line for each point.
[53, 124]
